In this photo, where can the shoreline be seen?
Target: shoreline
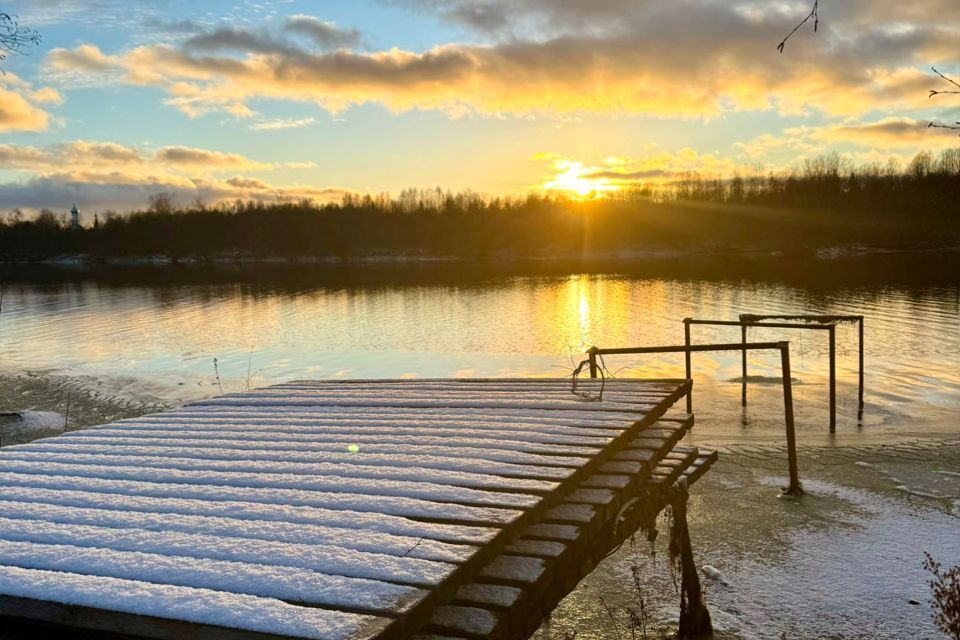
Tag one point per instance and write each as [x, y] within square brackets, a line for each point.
[833, 252]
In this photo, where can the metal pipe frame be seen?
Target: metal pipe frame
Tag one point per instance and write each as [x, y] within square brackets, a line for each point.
[809, 317]
[746, 324]
[795, 488]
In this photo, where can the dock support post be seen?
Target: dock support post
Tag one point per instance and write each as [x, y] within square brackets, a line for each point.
[686, 335]
[592, 353]
[860, 408]
[795, 489]
[694, 617]
[833, 379]
[743, 367]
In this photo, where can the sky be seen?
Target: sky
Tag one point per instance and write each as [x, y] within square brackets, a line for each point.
[213, 101]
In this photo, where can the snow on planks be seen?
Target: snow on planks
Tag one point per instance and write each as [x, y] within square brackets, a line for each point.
[341, 510]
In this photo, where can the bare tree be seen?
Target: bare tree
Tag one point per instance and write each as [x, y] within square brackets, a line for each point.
[14, 37]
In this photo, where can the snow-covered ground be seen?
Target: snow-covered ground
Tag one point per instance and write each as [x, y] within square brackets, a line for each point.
[23, 426]
[844, 561]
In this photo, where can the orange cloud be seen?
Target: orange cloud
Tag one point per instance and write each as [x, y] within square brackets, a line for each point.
[18, 105]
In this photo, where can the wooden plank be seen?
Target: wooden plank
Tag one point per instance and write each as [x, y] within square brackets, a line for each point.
[340, 485]
[391, 505]
[324, 559]
[366, 531]
[172, 613]
[565, 457]
[286, 583]
[403, 399]
[286, 424]
[335, 459]
[425, 415]
[438, 445]
[347, 436]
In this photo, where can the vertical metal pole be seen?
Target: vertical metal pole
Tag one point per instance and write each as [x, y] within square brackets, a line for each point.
[833, 378]
[686, 335]
[860, 408]
[795, 489]
[593, 361]
[743, 373]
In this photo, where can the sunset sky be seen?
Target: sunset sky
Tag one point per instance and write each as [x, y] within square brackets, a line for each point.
[220, 100]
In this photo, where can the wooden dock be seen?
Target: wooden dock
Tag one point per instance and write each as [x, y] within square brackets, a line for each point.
[338, 510]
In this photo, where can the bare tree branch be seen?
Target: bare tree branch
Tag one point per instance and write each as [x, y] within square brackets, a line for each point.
[935, 92]
[14, 37]
[813, 15]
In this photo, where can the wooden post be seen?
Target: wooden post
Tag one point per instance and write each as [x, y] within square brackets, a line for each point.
[833, 379]
[860, 409]
[686, 334]
[694, 617]
[795, 489]
[743, 386]
[592, 352]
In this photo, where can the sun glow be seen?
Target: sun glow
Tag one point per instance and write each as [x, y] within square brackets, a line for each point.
[578, 180]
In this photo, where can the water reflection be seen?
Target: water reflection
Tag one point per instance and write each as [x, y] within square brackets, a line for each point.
[393, 322]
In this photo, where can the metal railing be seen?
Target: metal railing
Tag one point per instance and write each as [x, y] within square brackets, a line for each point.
[753, 318]
[794, 488]
[744, 325]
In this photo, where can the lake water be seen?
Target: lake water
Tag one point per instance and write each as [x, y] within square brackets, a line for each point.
[890, 490]
[158, 330]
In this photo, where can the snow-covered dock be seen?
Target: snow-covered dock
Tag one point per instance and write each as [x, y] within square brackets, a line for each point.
[335, 510]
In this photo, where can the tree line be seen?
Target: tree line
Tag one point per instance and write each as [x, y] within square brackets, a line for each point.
[823, 202]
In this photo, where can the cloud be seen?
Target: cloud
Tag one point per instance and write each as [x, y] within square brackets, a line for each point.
[888, 133]
[113, 157]
[282, 123]
[326, 35]
[19, 110]
[59, 191]
[203, 158]
[106, 175]
[690, 58]
[860, 141]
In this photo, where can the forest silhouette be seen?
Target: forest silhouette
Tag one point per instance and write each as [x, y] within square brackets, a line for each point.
[824, 202]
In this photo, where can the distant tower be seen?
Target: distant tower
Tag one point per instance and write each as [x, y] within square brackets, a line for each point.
[74, 217]
[96, 221]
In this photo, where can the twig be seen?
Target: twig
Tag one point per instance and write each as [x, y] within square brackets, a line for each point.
[66, 417]
[934, 92]
[216, 371]
[249, 362]
[813, 15]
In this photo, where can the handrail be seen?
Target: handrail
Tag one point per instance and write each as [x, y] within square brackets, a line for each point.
[822, 318]
[795, 488]
[746, 322]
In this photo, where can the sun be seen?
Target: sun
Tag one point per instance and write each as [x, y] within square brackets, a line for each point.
[575, 178]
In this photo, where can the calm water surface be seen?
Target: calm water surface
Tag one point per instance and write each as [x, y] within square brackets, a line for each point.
[159, 330]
